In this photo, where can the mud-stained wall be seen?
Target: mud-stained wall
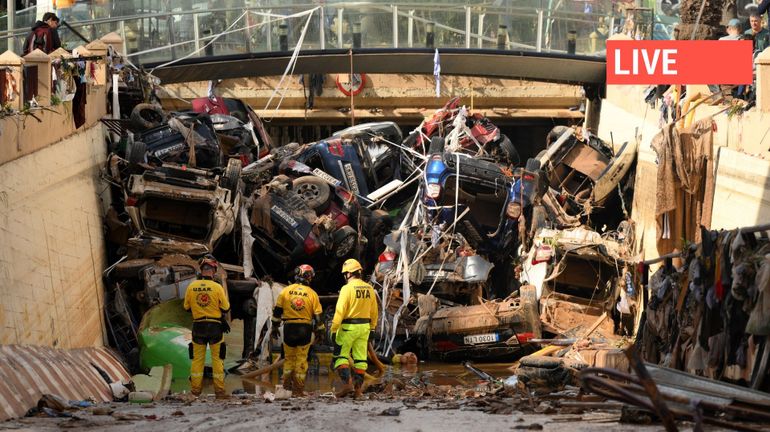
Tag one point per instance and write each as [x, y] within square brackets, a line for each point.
[51, 244]
[741, 144]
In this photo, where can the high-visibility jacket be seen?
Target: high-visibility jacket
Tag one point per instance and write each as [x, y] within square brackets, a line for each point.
[357, 304]
[297, 303]
[207, 300]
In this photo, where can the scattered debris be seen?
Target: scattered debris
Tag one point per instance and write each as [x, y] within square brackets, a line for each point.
[392, 411]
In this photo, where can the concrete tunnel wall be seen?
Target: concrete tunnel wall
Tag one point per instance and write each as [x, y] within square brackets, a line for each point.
[52, 244]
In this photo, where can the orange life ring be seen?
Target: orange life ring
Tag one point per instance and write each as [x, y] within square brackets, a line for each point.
[354, 86]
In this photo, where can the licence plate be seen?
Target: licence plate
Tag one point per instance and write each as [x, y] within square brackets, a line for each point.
[481, 338]
[284, 216]
[325, 176]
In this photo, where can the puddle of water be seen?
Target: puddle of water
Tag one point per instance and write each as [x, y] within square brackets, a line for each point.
[320, 377]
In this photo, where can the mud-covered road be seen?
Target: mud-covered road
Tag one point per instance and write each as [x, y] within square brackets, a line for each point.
[311, 414]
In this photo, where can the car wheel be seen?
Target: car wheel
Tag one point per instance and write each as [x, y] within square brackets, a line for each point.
[231, 178]
[345, 241]
[136, 152]
[314, 191]
[509, 151]
[147, 116]
[554, 134]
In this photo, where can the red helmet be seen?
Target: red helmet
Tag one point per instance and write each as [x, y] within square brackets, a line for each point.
[210, 261]
[304, 273]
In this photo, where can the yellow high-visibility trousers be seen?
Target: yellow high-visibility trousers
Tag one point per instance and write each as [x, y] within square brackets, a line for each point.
[352, 339]
[198, 363]
[296, 361]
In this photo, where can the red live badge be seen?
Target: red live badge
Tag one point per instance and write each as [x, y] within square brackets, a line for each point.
[679, 62]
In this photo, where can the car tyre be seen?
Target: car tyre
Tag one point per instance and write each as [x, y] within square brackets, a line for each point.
[345, 241]
[147, 116]
[509, 151]
[231, 178]
[136, 152]
[314, 191]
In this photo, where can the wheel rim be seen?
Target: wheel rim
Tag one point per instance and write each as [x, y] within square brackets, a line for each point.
[345, 246]
[308, 192]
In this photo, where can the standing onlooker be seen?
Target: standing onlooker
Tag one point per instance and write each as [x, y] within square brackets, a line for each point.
[43, 35]
[733, 30]
[759, 34]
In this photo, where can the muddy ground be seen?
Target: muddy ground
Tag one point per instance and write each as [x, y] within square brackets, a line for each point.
[309, 414]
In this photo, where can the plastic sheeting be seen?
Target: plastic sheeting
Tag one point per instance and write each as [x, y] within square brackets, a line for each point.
[28, 372]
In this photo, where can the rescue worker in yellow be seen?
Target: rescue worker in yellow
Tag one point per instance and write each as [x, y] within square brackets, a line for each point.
[299, 308]
[355, 319]
[209, 305]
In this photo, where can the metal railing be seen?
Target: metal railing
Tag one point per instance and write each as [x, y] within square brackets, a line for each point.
[170, 35]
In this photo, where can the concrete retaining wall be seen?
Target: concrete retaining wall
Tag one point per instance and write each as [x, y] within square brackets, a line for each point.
[51, 244]
[741, 144]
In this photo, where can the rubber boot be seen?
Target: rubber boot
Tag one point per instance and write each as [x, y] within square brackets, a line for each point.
[222, 395]
[298, 389]
[288, 380]
[346, 388]
[358, 384]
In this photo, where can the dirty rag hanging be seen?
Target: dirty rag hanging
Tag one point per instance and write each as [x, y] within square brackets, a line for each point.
[685, 183]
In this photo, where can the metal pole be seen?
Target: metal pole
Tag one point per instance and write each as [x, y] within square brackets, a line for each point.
[480, 40]
[171, 36]
[410, 29]
[322, 28]
[612, 25]
[468, 29]
[122, 29]
[539, 43]
[11, 8]
[197, 34]
[269, 31]
[395, 26]
[339, 27]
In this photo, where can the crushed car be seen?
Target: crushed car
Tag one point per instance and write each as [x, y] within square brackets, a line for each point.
[582, 169]
[192, 206]
[497, 330]
[308, 220]
[465, 132]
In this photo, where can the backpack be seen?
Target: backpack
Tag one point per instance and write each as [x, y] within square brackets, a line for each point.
[37, 39]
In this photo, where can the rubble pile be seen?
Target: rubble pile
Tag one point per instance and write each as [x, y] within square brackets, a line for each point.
[466, 243]
[709, 316]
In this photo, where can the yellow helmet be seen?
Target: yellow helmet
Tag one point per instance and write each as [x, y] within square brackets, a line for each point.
[351, 265]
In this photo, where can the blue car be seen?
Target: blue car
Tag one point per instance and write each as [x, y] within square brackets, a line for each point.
[495, 198]
[359, 157]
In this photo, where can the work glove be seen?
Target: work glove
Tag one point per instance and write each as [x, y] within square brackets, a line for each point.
[275, 333]
[225, 325]
[371, 336]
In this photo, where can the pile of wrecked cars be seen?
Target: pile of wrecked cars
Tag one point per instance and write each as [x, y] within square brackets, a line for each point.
[465, 243]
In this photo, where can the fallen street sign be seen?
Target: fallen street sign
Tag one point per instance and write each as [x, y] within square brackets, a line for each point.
[679, 62]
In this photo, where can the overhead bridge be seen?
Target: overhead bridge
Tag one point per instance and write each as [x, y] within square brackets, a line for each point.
[588, 71]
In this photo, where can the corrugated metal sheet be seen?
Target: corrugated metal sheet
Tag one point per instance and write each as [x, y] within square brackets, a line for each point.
[28, 372]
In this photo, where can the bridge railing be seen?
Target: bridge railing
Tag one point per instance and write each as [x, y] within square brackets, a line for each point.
[167, 36]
